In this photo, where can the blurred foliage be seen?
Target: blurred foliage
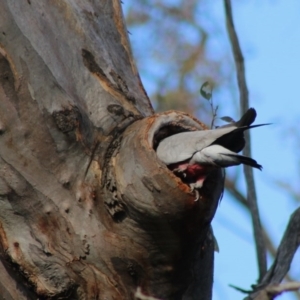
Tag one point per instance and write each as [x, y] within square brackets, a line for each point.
[177, 48]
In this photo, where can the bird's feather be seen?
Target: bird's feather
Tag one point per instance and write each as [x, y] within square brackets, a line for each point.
[182, 146]
[193, 155]
[222, 157]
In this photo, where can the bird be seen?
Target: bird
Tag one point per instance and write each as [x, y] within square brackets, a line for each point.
[193, 155]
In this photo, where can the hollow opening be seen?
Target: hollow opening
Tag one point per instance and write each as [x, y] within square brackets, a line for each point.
[167, 130]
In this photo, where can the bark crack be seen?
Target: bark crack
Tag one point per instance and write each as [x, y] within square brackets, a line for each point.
[119, 89]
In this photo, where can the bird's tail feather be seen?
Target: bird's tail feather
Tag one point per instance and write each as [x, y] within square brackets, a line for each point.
[247, 119]
[235, 140]
[252, 126]
[245, 160]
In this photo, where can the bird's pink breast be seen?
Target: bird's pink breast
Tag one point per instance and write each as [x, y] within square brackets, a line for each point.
[191, 173]
[195, 170]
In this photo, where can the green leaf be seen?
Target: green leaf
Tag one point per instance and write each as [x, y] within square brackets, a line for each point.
[206, 90]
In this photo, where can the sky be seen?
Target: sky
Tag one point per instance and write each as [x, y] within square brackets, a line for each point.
[270, 39]
[269, 33]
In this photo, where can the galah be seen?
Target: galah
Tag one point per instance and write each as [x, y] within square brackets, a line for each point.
[193, 155]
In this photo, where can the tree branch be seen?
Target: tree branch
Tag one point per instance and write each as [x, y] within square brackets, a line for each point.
[231, 187]
[288, 246]
[244, 104]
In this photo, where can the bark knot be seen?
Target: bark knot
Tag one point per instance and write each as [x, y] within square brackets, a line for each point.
[67, 120]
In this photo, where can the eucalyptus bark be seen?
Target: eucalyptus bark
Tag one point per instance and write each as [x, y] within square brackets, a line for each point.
[87, 211]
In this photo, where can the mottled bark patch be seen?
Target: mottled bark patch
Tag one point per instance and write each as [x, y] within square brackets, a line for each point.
[119, 81]
[128, 267]
[117, 88]
[7, 80]
[116, 109]
[90, 63]
[66, 120]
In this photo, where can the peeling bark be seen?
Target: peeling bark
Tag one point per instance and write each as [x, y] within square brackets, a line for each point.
[87, 211]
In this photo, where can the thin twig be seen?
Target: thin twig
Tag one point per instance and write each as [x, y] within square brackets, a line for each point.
[276, 290]
[244, 104]
[272, 291]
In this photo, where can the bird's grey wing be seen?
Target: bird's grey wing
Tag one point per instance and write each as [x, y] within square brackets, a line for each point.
[176, 148]
[182, 146]
[206, 137]
[217, 155]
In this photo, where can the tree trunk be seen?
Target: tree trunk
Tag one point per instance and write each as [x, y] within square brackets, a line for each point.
[87, 211]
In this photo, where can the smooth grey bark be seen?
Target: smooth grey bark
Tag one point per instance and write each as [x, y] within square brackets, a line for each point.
[87, 211]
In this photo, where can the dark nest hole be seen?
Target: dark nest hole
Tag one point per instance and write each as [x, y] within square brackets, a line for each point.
[165, 131]
[168, 130]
